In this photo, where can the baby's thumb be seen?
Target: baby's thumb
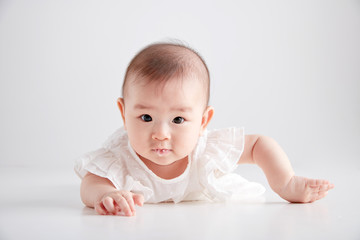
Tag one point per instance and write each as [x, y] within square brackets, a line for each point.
[138, 199]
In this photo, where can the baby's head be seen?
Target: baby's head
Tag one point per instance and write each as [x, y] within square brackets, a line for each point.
[162, 62]
[165, 102]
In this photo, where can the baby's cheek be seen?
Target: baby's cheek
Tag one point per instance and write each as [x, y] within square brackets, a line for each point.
[189, 142]
[136, 139]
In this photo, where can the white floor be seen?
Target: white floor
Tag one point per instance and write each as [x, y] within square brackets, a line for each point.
[45, 204]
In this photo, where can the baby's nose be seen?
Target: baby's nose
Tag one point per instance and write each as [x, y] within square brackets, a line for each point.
[161, 132]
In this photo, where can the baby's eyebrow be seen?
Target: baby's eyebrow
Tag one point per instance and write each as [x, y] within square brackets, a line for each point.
[182, 109]
[140, 106]
[174, 109]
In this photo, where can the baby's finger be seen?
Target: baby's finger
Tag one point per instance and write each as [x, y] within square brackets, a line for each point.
[123, 205]
[130, 201]
[108, 203]
[100, 209]
[138, 199]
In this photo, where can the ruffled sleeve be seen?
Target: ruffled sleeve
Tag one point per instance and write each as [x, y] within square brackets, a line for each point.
[217, 155]
[98, 162]
[113, 161]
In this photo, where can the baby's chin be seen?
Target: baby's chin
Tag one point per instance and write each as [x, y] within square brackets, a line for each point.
[161, 159]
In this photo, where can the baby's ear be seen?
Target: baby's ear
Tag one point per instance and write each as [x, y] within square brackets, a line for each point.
[206, 118]
[121, 106]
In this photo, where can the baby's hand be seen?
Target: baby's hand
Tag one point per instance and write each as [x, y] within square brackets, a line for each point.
[119, 203]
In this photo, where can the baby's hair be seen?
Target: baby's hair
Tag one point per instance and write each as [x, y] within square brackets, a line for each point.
[161, 62]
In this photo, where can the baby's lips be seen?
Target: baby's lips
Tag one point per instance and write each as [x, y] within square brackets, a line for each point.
[161, 151]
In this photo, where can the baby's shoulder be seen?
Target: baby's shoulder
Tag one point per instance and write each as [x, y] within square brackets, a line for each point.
[116, 140]
[230, 135]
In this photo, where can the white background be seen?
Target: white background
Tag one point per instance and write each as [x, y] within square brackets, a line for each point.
[287, 69]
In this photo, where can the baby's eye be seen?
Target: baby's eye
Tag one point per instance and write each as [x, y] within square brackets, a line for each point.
[146, 118]
[178, 120]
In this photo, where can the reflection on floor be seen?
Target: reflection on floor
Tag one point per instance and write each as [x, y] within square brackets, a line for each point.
[45, 204]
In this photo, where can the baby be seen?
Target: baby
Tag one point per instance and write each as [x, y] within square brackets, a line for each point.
[164, 151]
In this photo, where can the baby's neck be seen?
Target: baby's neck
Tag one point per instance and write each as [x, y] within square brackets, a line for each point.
[167, 171]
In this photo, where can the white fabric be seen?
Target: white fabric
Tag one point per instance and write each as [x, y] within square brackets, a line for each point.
[208, 174]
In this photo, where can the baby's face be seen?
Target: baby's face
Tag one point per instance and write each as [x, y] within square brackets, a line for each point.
[164, 124]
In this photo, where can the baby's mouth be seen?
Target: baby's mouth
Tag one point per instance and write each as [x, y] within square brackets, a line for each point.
[161, 151]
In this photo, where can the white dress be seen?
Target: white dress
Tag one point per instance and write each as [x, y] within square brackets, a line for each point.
[208, 174]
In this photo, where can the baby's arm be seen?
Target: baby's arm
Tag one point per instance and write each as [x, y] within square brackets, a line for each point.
[270, 157]
[100, 193]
